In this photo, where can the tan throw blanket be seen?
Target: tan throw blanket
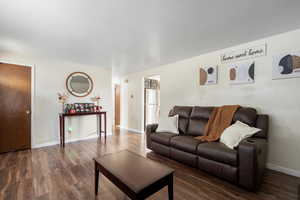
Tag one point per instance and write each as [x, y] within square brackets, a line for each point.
[219, 120]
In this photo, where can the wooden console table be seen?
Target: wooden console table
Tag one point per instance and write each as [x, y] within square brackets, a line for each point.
[62, 117]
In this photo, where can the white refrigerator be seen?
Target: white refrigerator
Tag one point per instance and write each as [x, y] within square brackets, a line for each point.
[152, 106]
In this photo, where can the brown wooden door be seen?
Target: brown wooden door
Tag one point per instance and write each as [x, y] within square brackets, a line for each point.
[15, 107]
[117, 105]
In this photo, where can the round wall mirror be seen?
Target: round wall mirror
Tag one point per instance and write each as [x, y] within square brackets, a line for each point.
[79, 84]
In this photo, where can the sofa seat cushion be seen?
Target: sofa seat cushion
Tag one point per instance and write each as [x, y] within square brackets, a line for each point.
[218, 152]
[185, 143]
[162, 137]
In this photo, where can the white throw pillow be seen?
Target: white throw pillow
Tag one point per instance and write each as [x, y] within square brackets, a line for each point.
[170, 126]
[235, 133]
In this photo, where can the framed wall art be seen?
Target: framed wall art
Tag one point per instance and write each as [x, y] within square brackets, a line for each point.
[286, 65]
[208, 75]
[241, 73]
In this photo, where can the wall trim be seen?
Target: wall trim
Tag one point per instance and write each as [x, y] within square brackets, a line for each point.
[285, 170]
[67, 141]
[44, 145]
[131, 129]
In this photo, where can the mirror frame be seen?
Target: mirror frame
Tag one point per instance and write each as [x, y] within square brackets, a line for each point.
[84, 74]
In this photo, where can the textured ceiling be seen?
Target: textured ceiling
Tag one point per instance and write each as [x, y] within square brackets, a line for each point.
[133, 35]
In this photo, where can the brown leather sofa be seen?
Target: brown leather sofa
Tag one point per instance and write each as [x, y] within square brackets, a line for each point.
[243, 166]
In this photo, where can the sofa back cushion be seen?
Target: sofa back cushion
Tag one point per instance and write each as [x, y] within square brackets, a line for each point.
[198, 120]
[184, 113]
[246, 115]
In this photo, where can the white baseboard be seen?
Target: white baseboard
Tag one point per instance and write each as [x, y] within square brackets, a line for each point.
[44, 145]
[67, 141]
[131, 129]
[284, 170]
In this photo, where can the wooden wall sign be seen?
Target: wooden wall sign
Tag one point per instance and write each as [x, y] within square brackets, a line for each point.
[244, 54]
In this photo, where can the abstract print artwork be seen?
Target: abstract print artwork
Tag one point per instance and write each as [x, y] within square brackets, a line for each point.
[208, 75]
[286, 66]
[241, 73]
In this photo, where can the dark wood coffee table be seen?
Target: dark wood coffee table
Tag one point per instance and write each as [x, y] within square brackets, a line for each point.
[135, 175]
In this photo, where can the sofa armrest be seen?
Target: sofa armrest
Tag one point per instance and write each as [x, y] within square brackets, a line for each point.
[150, 129]
[262, 123]
[252, 159]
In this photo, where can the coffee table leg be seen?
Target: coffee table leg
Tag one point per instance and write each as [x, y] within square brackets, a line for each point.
[170, 187]
[96, 178]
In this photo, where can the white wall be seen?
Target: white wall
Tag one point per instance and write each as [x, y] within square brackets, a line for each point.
[278, 98]
[49, 79]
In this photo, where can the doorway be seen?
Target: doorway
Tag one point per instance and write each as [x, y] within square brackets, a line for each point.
[151, 100]
[117, 105]
[15, 104]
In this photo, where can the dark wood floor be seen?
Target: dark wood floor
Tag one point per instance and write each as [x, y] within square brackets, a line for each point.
[53, 173]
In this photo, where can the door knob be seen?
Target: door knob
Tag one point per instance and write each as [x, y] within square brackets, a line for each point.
[27, 112]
